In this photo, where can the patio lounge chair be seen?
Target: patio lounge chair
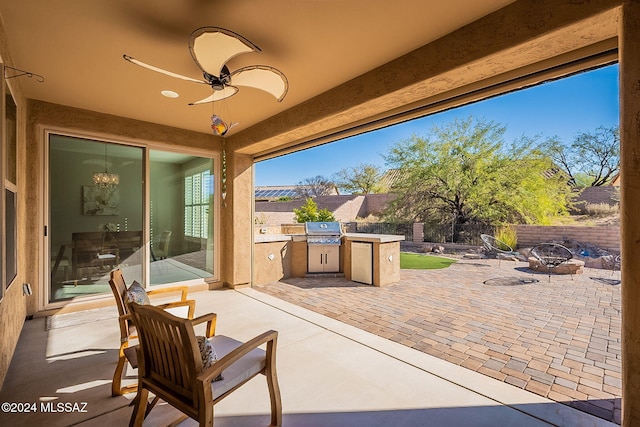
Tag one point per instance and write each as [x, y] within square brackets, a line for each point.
[128, 330]
[173, 366]
[551, 255]
[495, 247]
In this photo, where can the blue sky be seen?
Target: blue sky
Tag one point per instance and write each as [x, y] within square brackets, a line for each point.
[565, 107]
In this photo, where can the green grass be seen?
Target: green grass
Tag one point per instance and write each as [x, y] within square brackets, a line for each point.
[413, 261]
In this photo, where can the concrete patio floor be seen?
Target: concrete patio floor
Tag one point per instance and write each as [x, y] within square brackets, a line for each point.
[558, 337]
[330, 373]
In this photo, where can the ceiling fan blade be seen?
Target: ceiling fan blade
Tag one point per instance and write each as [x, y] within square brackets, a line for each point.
[217, 95]
[212, 47]
[262, 77]
[161, 71]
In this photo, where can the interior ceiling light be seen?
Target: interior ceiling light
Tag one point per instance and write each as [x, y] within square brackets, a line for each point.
[105, 179]
[211, 48]
[169, 94]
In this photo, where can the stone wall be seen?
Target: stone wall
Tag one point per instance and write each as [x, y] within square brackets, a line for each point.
[604, 237]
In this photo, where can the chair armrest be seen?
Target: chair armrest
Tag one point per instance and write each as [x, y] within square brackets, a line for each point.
[186, 303]
[183, 289]
[211, 319]
[269, 337]
[123, 320]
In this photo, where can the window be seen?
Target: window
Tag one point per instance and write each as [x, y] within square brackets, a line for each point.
[198, 190]
[182, 228]
[10, 229]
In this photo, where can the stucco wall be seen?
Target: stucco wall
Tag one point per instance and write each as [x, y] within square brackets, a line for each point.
[386, 265]
[596, 195]
[351, 208]
[271, 261]
[13, 306]
[345, 208]
[376, 203]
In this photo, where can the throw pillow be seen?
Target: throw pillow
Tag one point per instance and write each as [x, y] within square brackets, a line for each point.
[208, 354]
[136, 293]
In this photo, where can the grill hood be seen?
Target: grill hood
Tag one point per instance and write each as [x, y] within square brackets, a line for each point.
[323, 229]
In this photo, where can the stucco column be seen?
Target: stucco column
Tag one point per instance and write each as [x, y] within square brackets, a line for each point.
[629, 41]
[237, 221]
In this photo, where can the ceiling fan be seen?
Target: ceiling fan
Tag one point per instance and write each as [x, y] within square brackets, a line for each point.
[211, 48]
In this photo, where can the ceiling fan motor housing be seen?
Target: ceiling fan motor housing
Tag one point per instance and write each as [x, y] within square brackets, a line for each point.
[218, 83]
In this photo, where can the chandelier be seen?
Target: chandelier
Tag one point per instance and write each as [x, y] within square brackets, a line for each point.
[106, 179]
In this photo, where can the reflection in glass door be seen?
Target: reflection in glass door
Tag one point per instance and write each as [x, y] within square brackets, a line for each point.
[96, 199]
[180, 217]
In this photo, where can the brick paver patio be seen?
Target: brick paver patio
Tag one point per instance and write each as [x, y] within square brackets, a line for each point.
[558, 338]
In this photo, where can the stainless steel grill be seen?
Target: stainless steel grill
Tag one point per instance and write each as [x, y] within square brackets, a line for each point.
[323, 233]
[323, 246]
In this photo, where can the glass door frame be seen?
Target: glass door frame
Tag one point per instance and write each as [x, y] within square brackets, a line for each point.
[45, 132]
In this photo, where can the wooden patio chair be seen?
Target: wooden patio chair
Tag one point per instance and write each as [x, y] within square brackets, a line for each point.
[128, 330]
[171, 366]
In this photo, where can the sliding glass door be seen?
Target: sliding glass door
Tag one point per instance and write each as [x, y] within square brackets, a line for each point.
[180, 217]
[96, 215]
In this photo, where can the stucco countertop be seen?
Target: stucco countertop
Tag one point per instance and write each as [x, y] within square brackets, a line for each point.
[265, 238]
[376, 238]
[356, 237]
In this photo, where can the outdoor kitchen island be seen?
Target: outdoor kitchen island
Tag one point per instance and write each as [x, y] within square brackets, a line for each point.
[280, 256]
[385, 257]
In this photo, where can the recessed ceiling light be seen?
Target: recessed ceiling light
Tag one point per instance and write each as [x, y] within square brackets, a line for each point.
[169, 94]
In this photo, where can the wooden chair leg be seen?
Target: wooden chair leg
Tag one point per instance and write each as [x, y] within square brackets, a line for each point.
[206, 416]
[116, 384]
[274, 396]
[151, 405]
[117, 376]
[140, 408]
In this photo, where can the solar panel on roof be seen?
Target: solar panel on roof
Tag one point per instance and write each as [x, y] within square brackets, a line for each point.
[271, 193]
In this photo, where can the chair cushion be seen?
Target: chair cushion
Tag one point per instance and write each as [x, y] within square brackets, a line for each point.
[208, 354]
[136, 293]
[240, 371]
[131, 353]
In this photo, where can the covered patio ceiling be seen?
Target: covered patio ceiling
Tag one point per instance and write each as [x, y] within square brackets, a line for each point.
[351, 66]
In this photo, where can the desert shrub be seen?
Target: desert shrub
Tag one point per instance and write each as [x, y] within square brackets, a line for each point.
[601, 209]
[309, 212]
[508, 235]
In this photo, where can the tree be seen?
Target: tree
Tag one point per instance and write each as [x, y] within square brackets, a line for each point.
[314, 187]
[592, 159]
[362, 179]
[465, 173]
[309, 212]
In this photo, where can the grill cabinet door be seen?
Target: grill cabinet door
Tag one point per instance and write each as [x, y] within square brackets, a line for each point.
[323, 258]
[332, 258]
[315, 259]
